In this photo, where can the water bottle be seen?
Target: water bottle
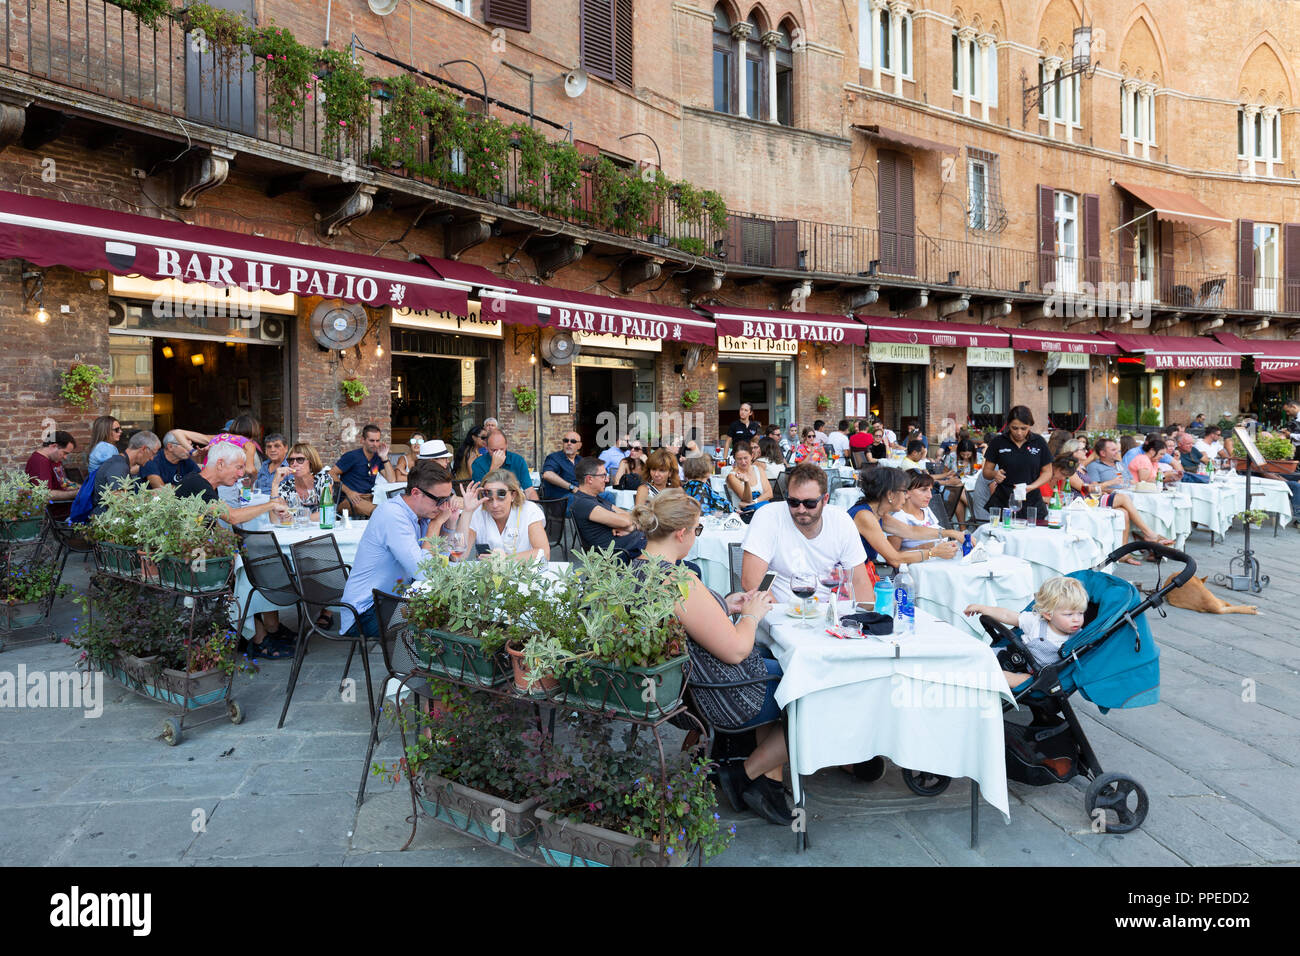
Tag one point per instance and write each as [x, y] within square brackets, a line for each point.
[327, 508]
[966, 545]
[884, 598]
[904, 608]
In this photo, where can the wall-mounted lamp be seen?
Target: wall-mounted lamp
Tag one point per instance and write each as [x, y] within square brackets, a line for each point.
[1218, 383]
[33, 282]
[941, 371]
[1114, 380]
[168, 352]
[379, 350]
[196, 359]
[1020, 370]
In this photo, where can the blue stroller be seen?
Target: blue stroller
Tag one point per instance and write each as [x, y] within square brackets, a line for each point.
[1112, 661]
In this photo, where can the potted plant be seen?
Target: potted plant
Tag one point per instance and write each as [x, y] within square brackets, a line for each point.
[81, 382]
[22, 506]
[287, 65]
[24, 591]
[525, 399]
[196, 670]
[823, 403]
[690, 397]
[344, 94]
[610, 806]
[114, 531]
[1253, 517]
[149, 12]
[194, 553]
[354, 390]
[446, 611]
[1278, 454]
[1149, 420]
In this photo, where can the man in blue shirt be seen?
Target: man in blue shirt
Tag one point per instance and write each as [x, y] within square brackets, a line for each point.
[614, 455]
[276, 448]
[358, 469]
[498, 457]
[396, 540]
[559, 480]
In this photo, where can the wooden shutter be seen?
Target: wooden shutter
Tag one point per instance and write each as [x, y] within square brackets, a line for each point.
[1127, 263]
[623, 42]
[1245, 263]
[1092, 239]
[1166, 262]
[906, 218]
[787, 241]
[887, 209]
[1046, 236]
[596, 38]
[1291, 266]
[513, 14]
[735, 244]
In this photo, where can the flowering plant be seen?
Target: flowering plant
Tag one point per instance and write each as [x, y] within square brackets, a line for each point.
[22, 497]
[29, 583]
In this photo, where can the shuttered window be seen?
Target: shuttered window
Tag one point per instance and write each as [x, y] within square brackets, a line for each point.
[897, 214]
[1092, 238]
[605, 39]
[1046, 236]
[1245, 263]
[512, 14]
[1291, 266]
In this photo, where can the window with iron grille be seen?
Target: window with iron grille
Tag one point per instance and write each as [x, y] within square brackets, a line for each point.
[984, 209]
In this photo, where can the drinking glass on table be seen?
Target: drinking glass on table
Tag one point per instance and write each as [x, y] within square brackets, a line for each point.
[1031, 517]
[509, 541]
[456, 545]
[803, 586]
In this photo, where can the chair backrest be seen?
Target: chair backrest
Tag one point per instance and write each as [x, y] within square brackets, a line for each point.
[735, 558]
[66, 535]
[938, 508]
[394, 634]
[320, 572]
[782, 485]
[858, 456]
[555, 509]
[267, 568]
[576, 541]
[951, 496]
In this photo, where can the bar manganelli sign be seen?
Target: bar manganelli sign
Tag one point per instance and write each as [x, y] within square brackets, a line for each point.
[990, 358]
[472, 324]
[900, 353]
[736, 345]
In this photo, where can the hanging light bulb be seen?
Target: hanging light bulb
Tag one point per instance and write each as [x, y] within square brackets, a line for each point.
[42, 316]
[532, 359]
[168, 351]
[713, 367]
[1114, 380]
[1218, 383]
[1182, 383]
[379, 350]
[823, 369]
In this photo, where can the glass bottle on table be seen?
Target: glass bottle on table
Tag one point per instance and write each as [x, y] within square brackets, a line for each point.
[327, 507]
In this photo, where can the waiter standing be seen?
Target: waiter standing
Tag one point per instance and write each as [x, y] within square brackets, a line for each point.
[1017, 456]
[744, 429]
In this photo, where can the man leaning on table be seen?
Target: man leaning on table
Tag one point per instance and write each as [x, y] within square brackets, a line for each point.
[357, 470]
[806, 535]
[398, 537]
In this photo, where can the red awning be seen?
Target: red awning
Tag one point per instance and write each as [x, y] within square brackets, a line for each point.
[597, 314]
[468, 274]
[785, 326]
[941, 334]
[1176, 206]
[51, 233]
[1177, 352]
[1080, 343]
[1275, 360]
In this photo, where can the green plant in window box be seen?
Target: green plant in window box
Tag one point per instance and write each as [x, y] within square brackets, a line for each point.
[345, 95]
[525, 399]
[690, 397]
[690, 245]
[1274, 447]
[149, 12]
[354, 390]
[80, 382]
[287, 65]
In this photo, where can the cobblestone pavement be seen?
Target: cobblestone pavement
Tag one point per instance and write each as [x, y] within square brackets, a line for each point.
[1219, 757]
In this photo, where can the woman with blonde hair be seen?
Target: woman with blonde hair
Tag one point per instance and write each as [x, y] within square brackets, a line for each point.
[303, 478]
[658, 474]
[499, 516]
[722, 652]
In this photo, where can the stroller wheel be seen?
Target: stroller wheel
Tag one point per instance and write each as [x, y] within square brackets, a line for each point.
[1116, 803]
[925, 784]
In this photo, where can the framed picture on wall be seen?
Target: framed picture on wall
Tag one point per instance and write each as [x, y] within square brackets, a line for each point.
[643, 392]
[559, 404]
[242, 396]
[754, 392]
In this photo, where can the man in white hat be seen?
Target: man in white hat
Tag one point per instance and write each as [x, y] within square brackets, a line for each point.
[435, 450]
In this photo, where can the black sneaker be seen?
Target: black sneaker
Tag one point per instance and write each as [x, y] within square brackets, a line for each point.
[732, 781]
[869, 771]
[766, 797]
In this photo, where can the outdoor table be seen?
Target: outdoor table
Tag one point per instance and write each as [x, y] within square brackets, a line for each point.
[945, 586]
[1168, 514]
[929, 701]
[1214, 505]
[347, 539]
[1051, 552]
[846, 498]
[383, 489]
[710, 552]
[1106, 525]
[625, 499]
[1267, 495]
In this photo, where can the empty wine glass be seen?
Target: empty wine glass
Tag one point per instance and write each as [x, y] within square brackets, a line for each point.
[510, 541]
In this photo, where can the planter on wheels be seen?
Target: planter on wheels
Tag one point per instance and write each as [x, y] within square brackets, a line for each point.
[564, 843]
[460, 657]
[117, 559]
[624, 692]
[20, 530]
[17, 616]
[494, 819]
[179, 574]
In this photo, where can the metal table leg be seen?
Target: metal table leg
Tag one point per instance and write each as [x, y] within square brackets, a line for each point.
[792, 746]
[974, 814]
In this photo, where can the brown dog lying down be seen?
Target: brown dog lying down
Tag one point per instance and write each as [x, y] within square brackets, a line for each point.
[1195, 596]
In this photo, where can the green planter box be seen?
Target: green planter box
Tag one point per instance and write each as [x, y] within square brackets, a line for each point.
[460, 657]
[17, 616]
[564, 843]
[624, 691]
[165, 684]
[177, 574]
[117, 559]
[21, 529]
[493, 819]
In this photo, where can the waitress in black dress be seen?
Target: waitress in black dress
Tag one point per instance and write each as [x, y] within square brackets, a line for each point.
[1017, 456]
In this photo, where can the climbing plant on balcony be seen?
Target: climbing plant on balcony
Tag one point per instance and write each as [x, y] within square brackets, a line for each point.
[288, 67]
[405, 122]
[148, 12]
[345, 96]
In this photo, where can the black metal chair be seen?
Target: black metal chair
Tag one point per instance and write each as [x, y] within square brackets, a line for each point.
[268, 572]
[68, 540]
[555, 510]
[400, 665]
[322, 576]
[783, 485]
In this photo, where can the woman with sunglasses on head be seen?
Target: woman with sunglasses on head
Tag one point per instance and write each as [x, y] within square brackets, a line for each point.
[402, 463]
[504, 520]
[659, 473]
[467, 453]
[884, 492]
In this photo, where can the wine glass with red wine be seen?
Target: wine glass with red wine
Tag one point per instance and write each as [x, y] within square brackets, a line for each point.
[803, 586]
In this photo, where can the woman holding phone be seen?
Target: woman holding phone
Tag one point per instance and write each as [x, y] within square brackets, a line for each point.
[499, 516]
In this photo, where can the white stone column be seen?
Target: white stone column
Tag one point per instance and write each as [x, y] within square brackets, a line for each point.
[1051, 66]
[1266, 129]
[985, 42]
[740, 33]
[878, 8]
[965, 79]
[898, 10]
[1145, 96]
[1248, 137]
[1067, 107]
[1126, 108]
[770, 40]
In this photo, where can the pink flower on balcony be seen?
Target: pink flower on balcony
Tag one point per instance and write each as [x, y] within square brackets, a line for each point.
[309, 96]
[343, 122]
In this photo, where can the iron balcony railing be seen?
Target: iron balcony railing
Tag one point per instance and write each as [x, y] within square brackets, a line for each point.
[97, 47]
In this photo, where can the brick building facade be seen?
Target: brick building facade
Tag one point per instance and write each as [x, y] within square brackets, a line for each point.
[885, 174]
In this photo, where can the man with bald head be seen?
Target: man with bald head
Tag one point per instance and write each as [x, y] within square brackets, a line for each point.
[171, 465]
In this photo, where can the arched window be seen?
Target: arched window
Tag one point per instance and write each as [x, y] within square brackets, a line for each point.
[724, 62]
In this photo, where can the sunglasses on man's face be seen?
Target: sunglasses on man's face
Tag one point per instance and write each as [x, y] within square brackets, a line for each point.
[574, 441]
[498, 493]
[438, 500]
[808, 504]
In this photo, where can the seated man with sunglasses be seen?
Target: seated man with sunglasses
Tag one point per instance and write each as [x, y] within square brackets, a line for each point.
[559, 480]
[807, 536]
[399, 535]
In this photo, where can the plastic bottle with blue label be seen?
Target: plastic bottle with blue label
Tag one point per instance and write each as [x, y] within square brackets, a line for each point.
[904, 596]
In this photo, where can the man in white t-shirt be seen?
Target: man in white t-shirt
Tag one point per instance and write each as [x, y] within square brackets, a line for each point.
[805, 535]
[839, 439]
[1211, 445]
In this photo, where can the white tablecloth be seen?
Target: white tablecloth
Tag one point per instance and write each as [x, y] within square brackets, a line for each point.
[1267, 494]
[944, 587]
[846, 497]
[710, 553]
[1106, 525]
[383, 489]
[1214, 504]
[1168, 514]
[625, 499]
[347, 539]
[930, 701]
[1050, 551]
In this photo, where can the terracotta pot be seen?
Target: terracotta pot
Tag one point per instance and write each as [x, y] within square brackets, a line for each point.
[545, 686]
[1273, 466]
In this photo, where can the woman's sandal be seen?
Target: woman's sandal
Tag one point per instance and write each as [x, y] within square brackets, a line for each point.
[325, 620]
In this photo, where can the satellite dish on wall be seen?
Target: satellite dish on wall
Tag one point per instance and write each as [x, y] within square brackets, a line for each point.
[335, 325]
[382, 8]
[575, 83]
[559, 349]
